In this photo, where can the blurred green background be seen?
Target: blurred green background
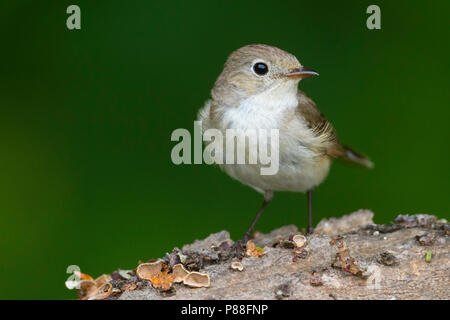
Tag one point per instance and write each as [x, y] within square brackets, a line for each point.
[86, 118]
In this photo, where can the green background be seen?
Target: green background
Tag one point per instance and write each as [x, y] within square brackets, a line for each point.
[86, 118]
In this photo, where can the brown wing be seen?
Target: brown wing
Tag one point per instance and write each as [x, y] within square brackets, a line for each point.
[322, 127]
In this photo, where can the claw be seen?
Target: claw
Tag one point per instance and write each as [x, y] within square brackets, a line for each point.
[239, 248]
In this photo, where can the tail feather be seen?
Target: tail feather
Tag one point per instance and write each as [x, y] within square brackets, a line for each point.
[358, 158]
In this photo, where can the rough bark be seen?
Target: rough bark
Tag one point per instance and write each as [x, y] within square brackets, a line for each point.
[345, 258]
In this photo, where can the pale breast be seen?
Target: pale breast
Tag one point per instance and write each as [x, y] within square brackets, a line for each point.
[300, 167]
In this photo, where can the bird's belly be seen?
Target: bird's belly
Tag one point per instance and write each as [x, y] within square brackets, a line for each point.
[300, 168]
[298, 171]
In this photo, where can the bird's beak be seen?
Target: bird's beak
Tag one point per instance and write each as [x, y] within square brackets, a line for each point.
[300, 73]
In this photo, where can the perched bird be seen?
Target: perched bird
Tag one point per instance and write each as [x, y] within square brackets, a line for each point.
[258, 88]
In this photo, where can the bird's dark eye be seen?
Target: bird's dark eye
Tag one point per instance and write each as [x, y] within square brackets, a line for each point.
[260, 68]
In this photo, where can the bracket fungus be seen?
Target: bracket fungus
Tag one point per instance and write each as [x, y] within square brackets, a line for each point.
[236, 265]
[197, 280]
[149, 269]
[179, 273]
[156, 273]
[299, 240]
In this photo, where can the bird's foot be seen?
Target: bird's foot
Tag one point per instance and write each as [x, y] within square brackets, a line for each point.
[240, 247]
[310, 231]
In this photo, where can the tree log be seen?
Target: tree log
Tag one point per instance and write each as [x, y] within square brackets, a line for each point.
[345, 258]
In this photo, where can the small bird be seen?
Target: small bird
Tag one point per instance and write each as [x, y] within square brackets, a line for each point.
[258, 89]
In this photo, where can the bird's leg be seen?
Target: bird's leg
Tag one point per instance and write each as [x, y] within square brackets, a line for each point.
[249, 231]
[310, 223]
[239, 245]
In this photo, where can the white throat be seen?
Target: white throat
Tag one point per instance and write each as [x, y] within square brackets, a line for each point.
[263, 110]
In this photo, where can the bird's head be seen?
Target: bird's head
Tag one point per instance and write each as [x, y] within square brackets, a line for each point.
[255, 69]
